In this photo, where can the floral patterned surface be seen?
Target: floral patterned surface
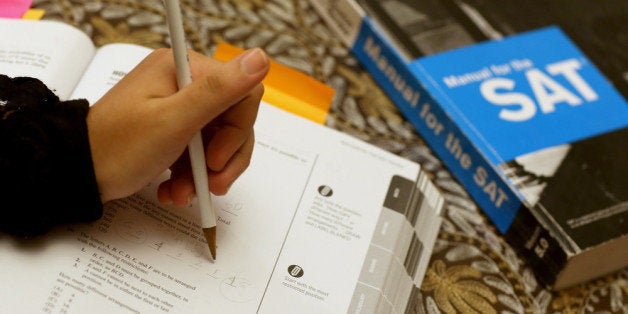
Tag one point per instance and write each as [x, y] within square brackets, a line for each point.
[472, 269]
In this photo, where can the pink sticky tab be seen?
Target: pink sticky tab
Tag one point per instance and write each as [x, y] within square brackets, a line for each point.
[14, 8]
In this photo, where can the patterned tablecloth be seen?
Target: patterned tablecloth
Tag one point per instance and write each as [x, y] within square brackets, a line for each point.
[472, 269]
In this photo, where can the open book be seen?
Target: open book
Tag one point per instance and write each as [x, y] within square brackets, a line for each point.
[64, 58]
[320, 222]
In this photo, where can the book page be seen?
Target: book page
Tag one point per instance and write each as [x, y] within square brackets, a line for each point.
[143, 257]
[359, 242]
[297, 230]
[53, 52]
[108, 66]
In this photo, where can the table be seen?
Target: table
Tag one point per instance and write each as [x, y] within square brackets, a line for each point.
[472, 268]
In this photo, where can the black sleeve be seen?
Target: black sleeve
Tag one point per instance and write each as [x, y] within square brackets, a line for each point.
[46, 172]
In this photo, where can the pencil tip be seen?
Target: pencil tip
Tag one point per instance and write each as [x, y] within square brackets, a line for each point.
[210, 236]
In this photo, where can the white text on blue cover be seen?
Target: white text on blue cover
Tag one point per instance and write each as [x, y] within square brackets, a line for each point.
[546, 88]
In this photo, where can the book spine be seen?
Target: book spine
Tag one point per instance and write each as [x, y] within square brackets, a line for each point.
[436, 126]
[496, 198]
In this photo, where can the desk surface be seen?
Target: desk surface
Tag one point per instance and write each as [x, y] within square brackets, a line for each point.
[472, 265]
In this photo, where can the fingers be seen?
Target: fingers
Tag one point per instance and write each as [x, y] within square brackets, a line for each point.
[179, 189]
[224, 99]
[218, 86]
[232, 129]
[221, 181]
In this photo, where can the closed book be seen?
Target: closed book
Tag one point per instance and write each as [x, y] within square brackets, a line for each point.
[536, 133]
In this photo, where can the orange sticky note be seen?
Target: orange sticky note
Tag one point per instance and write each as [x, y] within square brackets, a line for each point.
[288, 88]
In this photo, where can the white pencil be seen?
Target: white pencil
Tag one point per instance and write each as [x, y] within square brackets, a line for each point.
[195, 148]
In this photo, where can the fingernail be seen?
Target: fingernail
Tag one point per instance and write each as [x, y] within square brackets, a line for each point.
[254, 61]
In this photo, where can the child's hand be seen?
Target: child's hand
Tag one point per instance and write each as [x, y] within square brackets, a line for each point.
[143, 125]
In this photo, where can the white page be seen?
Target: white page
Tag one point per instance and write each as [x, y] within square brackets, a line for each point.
[108, 66]
[53, 52]
[142, 257]
[139, 246]
[330, 235]
[152, 258]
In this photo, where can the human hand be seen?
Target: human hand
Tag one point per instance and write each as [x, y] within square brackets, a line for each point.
[143, 125]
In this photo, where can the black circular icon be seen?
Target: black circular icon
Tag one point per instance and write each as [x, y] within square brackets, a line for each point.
[325, 190]
[295, 271]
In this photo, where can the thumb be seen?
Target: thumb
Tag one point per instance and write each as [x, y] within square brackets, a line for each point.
[216, 86]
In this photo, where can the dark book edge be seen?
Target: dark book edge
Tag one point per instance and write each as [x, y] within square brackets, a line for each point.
[536, 244]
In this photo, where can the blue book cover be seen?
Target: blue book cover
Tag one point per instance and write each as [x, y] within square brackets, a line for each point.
[531, 94]
[522, 94]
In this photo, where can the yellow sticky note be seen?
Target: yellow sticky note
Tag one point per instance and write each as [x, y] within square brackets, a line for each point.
[33, 14]
[288, 88]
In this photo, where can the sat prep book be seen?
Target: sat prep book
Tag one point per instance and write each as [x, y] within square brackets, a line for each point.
[529, 125]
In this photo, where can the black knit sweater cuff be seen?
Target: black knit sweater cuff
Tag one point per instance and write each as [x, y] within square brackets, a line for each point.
[46, 172]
